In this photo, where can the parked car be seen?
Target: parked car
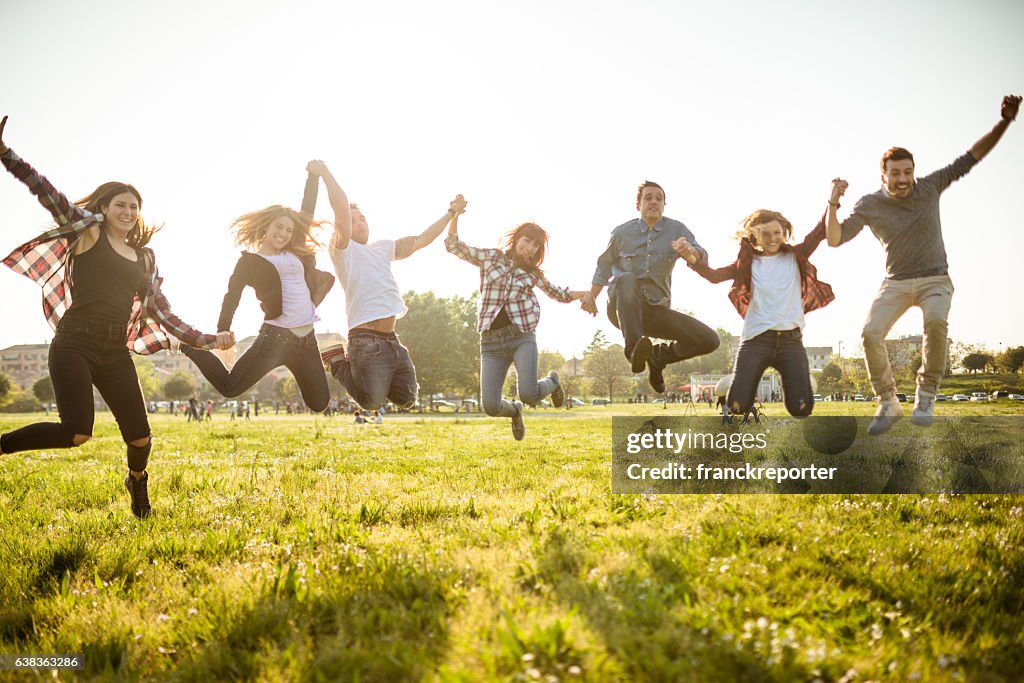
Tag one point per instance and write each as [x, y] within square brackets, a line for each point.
[902, 398]
[439, 404]
[576, 403]
[941, 397]
[600, 402]
[1016, 397]
[859, 397]
[961, 397]
[817, 397]
[979, 397]
[1000, 394]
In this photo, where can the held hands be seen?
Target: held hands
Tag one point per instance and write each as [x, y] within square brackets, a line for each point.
[686, 251]
[1008, 110]
[838, 190]
[458, 205]
[225, 340]
[317, 168]
[588, 303]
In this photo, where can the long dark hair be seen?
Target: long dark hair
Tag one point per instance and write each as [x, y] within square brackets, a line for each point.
[534, 232]
[140, 234]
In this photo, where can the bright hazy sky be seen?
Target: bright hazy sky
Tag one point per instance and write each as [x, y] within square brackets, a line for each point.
[547, 111]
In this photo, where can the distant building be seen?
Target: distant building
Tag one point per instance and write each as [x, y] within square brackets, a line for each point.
[818, 357]
[25, 364]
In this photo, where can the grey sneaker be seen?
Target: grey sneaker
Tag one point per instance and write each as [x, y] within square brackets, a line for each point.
[889, 411]
[558, 395]
[138, 489]
[924, 409]
[518, 426]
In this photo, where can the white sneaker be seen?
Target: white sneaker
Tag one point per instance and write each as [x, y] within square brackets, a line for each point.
[924, 409]
[889, 411]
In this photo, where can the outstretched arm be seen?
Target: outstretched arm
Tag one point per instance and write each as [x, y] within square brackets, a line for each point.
[1007, 113]
[339, 202]
[833, 228]
[407, 246]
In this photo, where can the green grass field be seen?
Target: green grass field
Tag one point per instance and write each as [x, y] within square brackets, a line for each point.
[437, 548]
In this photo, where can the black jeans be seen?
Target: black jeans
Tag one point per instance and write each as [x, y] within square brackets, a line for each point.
[784, 351]
[629, 310]
[275, 346]
[83, 355]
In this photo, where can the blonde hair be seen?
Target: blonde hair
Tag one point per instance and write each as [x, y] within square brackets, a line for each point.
[749, 229]
[251, 228]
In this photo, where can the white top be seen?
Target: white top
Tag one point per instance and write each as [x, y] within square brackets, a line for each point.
[364, 271]
[297, 309]
[775, 302]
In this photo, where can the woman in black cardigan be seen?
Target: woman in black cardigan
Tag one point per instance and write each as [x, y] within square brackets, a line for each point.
[280, 267]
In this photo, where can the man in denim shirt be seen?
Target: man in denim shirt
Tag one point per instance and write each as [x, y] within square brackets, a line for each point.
[638, 263]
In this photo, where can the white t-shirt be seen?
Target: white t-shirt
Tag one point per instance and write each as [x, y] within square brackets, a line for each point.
[297, 309]
[775, 302]
[364, 271]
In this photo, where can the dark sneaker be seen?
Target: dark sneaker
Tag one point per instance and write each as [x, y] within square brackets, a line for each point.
[558, 395]
[331, 353]
[138, 489]
[640, 354]
[518, 426]
[656, 377]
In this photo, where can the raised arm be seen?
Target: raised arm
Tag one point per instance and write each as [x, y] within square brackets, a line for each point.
[339, 202]
[833, 228]
[407, 246]
[1007, 114]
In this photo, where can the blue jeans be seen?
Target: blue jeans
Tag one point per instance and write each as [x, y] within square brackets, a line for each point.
[782, 350]
[499, 349]
[377, 368]
[275, 346]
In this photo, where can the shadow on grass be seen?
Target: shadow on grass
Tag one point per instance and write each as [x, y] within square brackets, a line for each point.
[379, 620]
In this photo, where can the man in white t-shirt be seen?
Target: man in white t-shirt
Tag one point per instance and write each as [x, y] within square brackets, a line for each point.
[376, 367]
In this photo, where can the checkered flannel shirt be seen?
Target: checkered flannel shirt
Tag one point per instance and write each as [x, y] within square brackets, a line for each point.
[502, 283]
[44, 260]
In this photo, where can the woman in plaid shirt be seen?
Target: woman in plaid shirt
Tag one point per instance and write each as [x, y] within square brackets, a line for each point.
[508, 317]
[774, 284]
[101, 293]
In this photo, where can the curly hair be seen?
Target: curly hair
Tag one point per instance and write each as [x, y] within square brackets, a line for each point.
[251, 228]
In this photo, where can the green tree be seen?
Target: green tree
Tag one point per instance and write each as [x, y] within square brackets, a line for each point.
[1011, 360]
[148, 379]
[43, 390]
[830, 379]
[286, 389]
[973, 362]
[441, 337]
[179, 386]
[606, 365]
[5, 386]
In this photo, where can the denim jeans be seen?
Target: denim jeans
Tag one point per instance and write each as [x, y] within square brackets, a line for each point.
[377, 368]
[629, 310]
[275, 346]
[933, 295]
[499, 349]
[782, 350]
[83, 355]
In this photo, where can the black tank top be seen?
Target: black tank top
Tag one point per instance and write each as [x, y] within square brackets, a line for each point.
[104, 284]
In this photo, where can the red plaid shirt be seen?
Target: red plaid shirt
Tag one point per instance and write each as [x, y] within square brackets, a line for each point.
[502, 283]
[44, 260]
[815, 293]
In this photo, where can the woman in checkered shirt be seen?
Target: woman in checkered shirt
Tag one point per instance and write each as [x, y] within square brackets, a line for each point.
[101, 293]
[508, 317]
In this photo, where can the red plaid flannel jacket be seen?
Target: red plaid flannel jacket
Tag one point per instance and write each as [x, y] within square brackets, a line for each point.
[815, 293]
[502, 283]
[44, 260]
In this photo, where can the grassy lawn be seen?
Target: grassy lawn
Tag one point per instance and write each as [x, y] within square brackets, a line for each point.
[438, 548]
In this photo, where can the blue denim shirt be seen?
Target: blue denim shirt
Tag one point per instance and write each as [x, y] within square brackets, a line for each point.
[646, 253]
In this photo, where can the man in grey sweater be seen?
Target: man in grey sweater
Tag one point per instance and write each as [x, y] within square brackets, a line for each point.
[904, 216]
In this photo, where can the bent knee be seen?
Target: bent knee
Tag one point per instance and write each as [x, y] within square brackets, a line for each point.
[79, 439]
[141, 443]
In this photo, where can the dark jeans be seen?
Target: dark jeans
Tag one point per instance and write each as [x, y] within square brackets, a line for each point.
[629, 310]
[783, 351]
[377, 368]
[274, 347]
[83, 355]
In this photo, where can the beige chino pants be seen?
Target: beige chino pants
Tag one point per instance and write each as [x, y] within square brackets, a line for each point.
[933, 295]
